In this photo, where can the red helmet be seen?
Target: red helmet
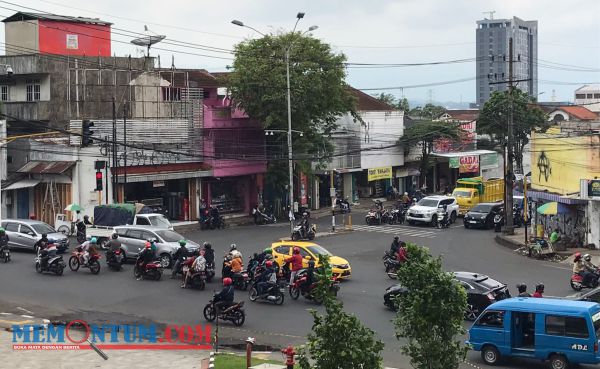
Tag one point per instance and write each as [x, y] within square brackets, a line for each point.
[296, 250]
[227, 281]
[269, 263]
[147, 245]
[577, 256]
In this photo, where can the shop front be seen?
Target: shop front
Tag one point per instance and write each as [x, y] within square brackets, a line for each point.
[233, 194]
[451, 166]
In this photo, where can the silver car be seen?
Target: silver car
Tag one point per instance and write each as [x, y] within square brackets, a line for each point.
[25, 234]
[133, 239]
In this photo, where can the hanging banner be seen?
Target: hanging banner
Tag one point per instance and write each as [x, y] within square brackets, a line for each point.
[379, 173]
[469, 164]
[303, 189]
[488, 161]
[453, 163]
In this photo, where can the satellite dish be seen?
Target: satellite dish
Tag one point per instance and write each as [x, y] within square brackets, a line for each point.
[148, 41]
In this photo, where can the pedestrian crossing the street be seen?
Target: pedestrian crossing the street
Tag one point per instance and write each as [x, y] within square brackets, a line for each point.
[398, 229]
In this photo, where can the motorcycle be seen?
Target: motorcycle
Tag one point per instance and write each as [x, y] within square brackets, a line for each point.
[577, 281]
[373, 217]
[5, 254]
[443, 221]
[213, 222]
[152, 270]
[198, 280]
[234, 313]
[273, 294]
[241, 280]
[397, 216]
[55, 265]
[344, 206]
[296, 288]
[210, 272]
[386, 216]
[76, 261]
[391, 265]
[114, 260]
[517, 219]
[299, 234]
[263, 217]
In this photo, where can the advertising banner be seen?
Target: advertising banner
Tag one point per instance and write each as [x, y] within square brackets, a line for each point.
[379, 173]
[469, 164]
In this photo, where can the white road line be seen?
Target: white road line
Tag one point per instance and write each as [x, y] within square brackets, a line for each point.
[27, 316]
[401, 231]
[25, 310]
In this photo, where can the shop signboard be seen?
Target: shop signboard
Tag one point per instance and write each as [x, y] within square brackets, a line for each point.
[158, 183]
[379, 173]
[454, 163]
[593, 187]
[469, 164]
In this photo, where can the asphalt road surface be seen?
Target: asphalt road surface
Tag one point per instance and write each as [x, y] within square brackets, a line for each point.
[118, 297]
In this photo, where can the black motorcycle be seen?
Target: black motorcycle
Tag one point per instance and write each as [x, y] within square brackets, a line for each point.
[344, 206]
[391, 265]
[5, 254]
[210, 272]
[114, 260]
[234, 313]
[443, 220]
[54, 264]
[261, 217]
[274, 294]
[197, 280]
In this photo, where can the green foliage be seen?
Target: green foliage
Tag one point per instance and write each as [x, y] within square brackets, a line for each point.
[527, 117]
[319, 94]
[338, 340]
[429, 111]
[403, 105]
[430, 316]
[400, 104]
[424, 134]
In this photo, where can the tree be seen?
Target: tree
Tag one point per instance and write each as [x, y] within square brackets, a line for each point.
[386, 98]
[527, 117]
[319, 94]
[430, 315]
[424, 134]
[325, 349]
[403, 105]
[429, 111]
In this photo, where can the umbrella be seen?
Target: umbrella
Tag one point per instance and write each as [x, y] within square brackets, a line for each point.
[73, 207]
[553, 208]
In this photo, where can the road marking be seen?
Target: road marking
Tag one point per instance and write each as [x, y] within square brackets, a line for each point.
[400, 230]
[25, 310]
[27, 316]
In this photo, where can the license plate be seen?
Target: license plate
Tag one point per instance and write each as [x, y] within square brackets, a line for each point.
[472, 221]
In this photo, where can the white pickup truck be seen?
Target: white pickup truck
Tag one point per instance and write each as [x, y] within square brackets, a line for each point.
[103, 234]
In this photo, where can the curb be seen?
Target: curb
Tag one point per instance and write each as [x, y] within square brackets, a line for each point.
[507, 242]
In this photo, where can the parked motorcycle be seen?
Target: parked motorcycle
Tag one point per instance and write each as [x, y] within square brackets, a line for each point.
[234, 313]
[114, 260]
[76, 261]
[152, 270]
[296, 288]
[213, 222]
[273, 294]
[577, 281]
[391, 265]
[373, 217]
[397, 216]
[261, 217]
[55, 264]
[386, 216]
[443, 220]
[300, 234]
[5, 254]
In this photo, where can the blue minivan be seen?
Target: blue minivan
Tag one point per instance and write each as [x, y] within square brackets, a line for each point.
[562, 331]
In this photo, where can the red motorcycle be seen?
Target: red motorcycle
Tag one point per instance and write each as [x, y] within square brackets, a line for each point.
[76, 261]
[152, 270]
[298, 287]
[577, 281]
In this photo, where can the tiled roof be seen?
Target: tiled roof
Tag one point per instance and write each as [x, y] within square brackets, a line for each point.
[366, 102]
[463, 114]
[24, 16]
[578, 112]
[197, 77]
[46, 167]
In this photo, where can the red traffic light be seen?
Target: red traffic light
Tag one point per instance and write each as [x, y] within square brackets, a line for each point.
[98, 175]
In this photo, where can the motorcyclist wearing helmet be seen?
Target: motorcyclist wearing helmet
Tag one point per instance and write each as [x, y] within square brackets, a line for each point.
[262, 256]
[395, 246]
[48, 252]
[590, 268]
[89, 248]
[42, 242]
[237, 266]
[405, 200]
[113, 246]
[178, 256]
[145, 256]
[580, 269]
[266, 279]
[226, 272]
[209, 253]
[522, 288]
[234, 252]
[224, 299]
[3, 239]
[539, 290]
[296, 262]
[310, 275]
[304, 224]
[197, 266]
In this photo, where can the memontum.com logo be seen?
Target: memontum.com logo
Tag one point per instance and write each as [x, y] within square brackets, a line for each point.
[77, 334]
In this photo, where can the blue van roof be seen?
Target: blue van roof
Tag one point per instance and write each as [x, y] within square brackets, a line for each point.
[544, 304]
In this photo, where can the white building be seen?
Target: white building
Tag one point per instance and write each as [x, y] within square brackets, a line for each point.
[589, 96]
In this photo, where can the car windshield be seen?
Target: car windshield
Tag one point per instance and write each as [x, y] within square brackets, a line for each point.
[430, 203]
[482, 208]
[318, 250]
[42, 228]
[169, 236]
[462, 194]
[159, 221]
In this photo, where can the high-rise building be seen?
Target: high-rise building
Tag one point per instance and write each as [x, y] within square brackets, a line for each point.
[492, 56]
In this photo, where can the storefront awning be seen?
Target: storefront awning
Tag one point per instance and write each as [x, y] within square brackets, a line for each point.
[46, 167]
[548, 196]
[459, 154]
[24, 183]
[165, 176]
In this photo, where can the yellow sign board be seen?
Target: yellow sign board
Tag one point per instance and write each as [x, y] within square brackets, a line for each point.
[380, 173]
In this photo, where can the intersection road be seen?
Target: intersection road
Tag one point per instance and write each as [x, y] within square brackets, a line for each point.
[118, 297]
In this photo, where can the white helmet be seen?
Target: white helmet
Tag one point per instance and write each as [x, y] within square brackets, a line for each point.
[406, 194]
[587, 257]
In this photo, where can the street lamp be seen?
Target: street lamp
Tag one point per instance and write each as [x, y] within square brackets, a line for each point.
[299, 16]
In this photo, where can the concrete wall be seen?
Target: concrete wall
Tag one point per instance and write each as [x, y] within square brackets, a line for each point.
[381, 129]
[594, 223]
[21, 37]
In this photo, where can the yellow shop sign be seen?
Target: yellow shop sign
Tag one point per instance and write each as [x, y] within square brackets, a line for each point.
[380, 173]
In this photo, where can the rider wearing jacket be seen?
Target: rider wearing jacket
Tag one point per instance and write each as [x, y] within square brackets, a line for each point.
[522, 288]
[310, 276]
[209, 254]
[3, 239]
[146, 256]
[296, 261]
[589, 267]
[224, 299]
[395, 246]
[265, 278]
[113, 246]
[178, 256]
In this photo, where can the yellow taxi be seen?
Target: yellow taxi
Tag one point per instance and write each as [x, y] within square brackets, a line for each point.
[281, 250]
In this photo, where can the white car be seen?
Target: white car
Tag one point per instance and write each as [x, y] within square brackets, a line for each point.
[425, 211]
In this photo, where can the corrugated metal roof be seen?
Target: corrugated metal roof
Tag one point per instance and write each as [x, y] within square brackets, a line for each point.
[24, 183]
[23, 16]
[46, 167]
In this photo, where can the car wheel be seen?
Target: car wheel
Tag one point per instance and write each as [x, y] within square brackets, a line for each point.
[453, 217]
[490, 355]
[559, 362]
[472, 312]
[165, 260]
[434, 220]
[466, 224]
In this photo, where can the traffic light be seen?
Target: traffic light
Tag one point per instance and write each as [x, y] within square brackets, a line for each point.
[86, 133]
[98, 180]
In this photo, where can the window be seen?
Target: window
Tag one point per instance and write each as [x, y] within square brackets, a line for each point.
[42, 228]
[122, 232]
[590, 96]
[494, 319]
[285, 250]
[12, 227]
[148, 236]
[566, 326]
[33, 90]
[171, 93]
[4, 93]
[596, 96]
[132, 233]
[142, 221]
[26, 230]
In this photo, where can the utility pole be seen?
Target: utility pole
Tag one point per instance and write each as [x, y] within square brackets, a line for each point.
[124, 148]
[509, 228]
[289, 140]
[113, 171]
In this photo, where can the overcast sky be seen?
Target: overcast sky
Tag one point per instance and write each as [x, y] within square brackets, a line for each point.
[386, 31]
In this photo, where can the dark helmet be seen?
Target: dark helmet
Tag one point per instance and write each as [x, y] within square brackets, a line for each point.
[86, 217]
[396, 238]
[45, 236]
[207, 245]
[115, 236]
[521, 287]
[539, 287]
[311, 263]
[233, 247]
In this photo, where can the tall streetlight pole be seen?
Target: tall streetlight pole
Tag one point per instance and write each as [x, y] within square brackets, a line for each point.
[289, 112]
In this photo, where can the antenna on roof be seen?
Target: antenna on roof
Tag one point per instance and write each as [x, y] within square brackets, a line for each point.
[491, 13]
[148, 40]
